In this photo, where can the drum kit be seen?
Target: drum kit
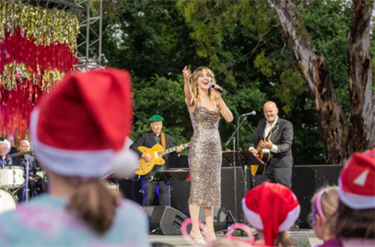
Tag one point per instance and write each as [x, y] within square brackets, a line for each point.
[11, 181]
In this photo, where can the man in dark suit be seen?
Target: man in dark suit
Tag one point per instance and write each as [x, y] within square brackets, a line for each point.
[10, 138]
[279, 168]
[149, 139]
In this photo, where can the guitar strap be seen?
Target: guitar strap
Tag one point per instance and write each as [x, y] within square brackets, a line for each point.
[163, 139]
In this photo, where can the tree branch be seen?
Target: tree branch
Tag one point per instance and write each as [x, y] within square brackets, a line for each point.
[313, 67]
[360, 77]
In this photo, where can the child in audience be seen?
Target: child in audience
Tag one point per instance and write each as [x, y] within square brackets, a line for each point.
[356, 214]
[324, 216]
[79, 133]
[272, 209]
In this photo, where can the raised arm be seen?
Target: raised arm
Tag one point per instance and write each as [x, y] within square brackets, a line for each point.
[189, 97]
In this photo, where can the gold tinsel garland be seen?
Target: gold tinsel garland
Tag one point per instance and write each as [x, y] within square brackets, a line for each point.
[45, 26]
[17, 73]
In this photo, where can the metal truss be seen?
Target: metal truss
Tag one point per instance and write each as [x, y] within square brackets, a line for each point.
[92, 37]
[64, 5]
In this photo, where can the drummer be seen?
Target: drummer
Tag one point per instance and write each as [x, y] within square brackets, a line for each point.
[22, 161]
[5, 160]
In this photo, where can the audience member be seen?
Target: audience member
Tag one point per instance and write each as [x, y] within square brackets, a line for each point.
[356, 214]
[272, 209]
[78, 140]
[10, 138]
[324, 206]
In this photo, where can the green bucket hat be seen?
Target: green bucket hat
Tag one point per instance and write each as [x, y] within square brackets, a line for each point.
[156, 118]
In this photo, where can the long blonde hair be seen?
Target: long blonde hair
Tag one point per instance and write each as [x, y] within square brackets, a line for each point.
[195, 87]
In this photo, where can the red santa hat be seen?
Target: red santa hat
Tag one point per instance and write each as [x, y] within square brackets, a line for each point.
[80, 128]
[357, 181]
[272, 208]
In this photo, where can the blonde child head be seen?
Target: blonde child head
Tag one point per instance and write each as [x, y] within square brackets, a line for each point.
[324, 207]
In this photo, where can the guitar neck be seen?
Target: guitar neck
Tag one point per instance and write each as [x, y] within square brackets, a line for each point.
[170, 150]
[272, 130]
[268, 136]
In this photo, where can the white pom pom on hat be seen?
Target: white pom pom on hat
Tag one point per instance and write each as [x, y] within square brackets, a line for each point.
[80, 127]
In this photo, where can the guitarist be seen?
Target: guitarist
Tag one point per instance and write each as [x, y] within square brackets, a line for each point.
[149, 139]
[279, 168]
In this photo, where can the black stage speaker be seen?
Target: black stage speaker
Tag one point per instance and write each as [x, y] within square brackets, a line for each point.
[164, 220]
[306, 180]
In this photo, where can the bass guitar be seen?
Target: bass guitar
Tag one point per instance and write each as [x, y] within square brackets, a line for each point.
[264, 154]
[156, 153]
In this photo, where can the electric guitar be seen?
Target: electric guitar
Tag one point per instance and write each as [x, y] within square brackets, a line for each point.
[264, 154]
[156, 153]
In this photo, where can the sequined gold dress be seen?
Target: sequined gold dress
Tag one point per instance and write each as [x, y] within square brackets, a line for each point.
[205, 158]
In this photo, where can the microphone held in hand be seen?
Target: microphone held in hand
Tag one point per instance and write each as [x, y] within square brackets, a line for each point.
[248, 114]
[211, 85]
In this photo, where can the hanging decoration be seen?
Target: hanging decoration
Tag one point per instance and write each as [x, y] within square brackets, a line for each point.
[38, 47]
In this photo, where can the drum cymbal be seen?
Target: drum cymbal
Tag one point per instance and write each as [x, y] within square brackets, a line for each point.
[21, 153]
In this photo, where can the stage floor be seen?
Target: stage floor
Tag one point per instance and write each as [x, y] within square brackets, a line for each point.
[178, 240]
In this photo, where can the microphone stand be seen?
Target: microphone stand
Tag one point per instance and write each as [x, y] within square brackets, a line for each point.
[27, 178]
[238, 145]
[234, 162]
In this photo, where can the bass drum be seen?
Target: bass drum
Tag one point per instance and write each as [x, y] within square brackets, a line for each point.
[7, 201]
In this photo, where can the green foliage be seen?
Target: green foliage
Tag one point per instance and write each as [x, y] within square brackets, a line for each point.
[264, 64]
[243, 42]
[328, 23]
[290, 88]
[213, 22]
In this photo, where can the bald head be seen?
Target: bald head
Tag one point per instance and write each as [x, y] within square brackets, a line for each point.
[270, 111]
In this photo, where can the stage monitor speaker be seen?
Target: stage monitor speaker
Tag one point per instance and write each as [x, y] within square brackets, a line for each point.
[164, 220]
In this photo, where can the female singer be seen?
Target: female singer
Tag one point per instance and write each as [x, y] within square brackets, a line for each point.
[205, 106]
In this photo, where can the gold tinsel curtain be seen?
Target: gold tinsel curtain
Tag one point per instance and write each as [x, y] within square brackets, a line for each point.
[37, 47]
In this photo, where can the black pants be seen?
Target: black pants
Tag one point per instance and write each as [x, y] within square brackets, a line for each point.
[279, 175]
[149, 191]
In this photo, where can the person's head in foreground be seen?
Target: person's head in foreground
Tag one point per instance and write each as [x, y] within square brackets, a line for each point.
[356, 219]
[324, 205]
[79, 133]
[271, 208]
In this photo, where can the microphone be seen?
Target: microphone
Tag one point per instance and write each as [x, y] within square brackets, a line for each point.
[211, 85]
[248, 114]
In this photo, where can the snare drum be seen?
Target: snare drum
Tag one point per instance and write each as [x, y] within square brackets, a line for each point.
[7, 201]
[12, 177]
